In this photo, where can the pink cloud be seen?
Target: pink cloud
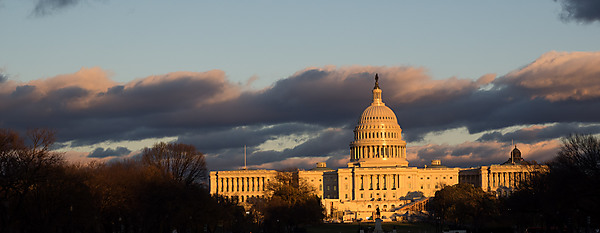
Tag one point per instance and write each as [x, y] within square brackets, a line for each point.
[557, 76]
[92, 79]
[480, 153]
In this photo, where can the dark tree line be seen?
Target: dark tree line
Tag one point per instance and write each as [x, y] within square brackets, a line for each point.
[162, 191]
[565, 197]
[289, 205]
[465, 204]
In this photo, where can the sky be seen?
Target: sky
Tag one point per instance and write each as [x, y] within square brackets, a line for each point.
[289, 79]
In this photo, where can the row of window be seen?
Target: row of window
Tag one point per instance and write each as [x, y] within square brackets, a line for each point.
[244, 198]
[378, 118]
[393, 206]
[368, 135]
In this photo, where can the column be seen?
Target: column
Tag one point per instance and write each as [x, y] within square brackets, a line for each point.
[362, 182]
[221, 184]
[384, 182]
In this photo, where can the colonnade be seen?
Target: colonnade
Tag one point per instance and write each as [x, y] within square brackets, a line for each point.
[378, 135]
[378, 151]
[379, 182]
[507, 179]
[241, 184]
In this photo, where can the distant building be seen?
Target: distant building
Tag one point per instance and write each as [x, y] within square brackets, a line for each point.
[501, 179]
[377, 181]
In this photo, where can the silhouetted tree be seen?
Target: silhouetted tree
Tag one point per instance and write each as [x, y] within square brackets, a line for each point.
[568, 195]
[181, 161]
[163, 191]
[29, 171]
[290, 202]
[464, 205]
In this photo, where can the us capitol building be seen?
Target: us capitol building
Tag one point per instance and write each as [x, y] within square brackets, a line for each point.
[378, 179]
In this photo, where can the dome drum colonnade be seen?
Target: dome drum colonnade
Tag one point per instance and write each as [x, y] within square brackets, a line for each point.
[378, 136]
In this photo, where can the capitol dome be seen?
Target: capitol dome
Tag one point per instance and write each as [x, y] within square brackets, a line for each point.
[378, 136]
[378, 113]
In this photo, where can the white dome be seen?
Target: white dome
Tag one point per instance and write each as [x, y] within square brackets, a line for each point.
[378, 114]
[378, 136]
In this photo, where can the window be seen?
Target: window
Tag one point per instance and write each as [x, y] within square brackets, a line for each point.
[334, 188]
[346, 196]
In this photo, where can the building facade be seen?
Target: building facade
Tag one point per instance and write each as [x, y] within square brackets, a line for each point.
[501, 179]
[378, 181]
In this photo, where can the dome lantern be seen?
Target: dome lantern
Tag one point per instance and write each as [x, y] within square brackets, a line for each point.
[377, 93]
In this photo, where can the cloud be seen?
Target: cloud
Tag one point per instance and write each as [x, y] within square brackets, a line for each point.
[473, 154]
[585, 11]
[47, 7]
[322, 143]
[3, 76]
[558, 76]
[312, 112]
[295, 162]
[539, 133]
[108, 152]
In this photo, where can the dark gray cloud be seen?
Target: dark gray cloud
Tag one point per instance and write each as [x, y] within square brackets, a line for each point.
[473, 154]
[585, 11]
[327, 142]
[462, 155]
[108, 152]
[212, 141]
[47, 7]
[3, 76]
[219, 117]
[540, 133]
